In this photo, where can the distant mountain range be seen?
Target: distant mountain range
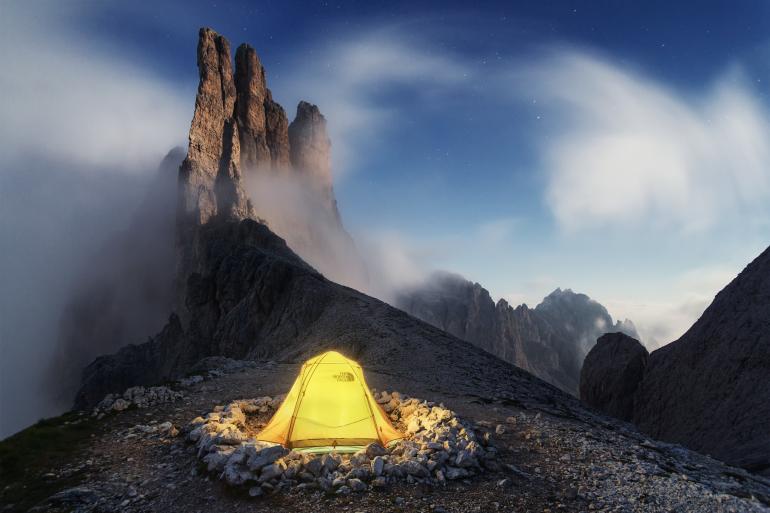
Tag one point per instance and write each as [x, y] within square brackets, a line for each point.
[549, 341]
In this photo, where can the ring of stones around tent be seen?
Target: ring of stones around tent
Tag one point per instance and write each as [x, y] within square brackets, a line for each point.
[438, 446]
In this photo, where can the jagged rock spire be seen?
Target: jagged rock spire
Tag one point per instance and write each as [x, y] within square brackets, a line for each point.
[263, 123]
[210, 174]
[311, 148]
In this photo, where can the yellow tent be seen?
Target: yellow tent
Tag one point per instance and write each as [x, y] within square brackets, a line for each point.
[329, 407]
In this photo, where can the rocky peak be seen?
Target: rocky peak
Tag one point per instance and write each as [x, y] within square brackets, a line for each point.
[210, 174]
[263, 124]
[250, 107]
[311, 147]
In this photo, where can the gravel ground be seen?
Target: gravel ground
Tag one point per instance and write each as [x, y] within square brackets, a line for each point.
[553, 462]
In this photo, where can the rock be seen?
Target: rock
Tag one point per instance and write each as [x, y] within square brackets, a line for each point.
[74, 496]
[413, 426]
[120, 405]
[216, 461]
[231, 435]
[500, 429]
[310, 149]
[453, 473]
[260, 457]
[379, 482]
[314, 466]
[707, 390]
[329, 462]
[324, 484]
[343, 490]
[378, 464]
[465, 459]
[235, 474]
[255, 491]
[357, 485]
[611, 374]
[413, 468]
[504, 483]
[214, 150]
[271, 471]
[374, 449]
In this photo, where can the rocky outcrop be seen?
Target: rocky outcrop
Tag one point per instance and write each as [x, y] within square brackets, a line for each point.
[311, 149]
[210, 179]
[550, 340]
[263, 125]
[611, 374]
[710, 390]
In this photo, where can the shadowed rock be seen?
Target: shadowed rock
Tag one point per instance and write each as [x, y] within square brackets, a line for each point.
[311, 149]
[710, 390]
[611, 374]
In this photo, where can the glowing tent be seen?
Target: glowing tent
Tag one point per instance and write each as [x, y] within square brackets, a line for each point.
[329, 407]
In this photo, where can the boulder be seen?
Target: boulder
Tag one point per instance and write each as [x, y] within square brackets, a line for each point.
[611, 374]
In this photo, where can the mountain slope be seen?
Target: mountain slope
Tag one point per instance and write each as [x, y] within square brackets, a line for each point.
[549, 341]
[710, 390]
[243, 293]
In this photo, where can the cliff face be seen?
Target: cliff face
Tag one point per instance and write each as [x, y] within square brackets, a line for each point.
[550, 341]
[709, 390]
[239, 137]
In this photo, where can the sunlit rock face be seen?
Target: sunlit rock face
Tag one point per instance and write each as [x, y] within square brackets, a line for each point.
[611, 374]
[264, 134]
[240, 143]
[549, 341]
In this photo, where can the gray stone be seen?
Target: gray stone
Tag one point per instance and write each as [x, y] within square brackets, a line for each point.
[453, 473]
[378, 464]
[357, 485]
[270, 472]
[314, 466]
[266, 456]
[375, 449]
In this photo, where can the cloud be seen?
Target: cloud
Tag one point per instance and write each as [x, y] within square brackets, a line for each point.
[666, 318]
[65, 97]
[631, 152]
[350, 78]
[496, 232]
[81, 137]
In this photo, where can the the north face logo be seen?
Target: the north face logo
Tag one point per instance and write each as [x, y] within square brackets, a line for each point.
[344, 376]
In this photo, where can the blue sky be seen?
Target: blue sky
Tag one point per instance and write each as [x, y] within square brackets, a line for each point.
[614, 148]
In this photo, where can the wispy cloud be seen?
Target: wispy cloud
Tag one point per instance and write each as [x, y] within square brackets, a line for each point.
[351, 77]
[63, 96]
[631, 152]
[81, 137]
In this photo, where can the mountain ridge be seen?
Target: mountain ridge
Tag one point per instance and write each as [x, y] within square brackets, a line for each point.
[549, 340]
